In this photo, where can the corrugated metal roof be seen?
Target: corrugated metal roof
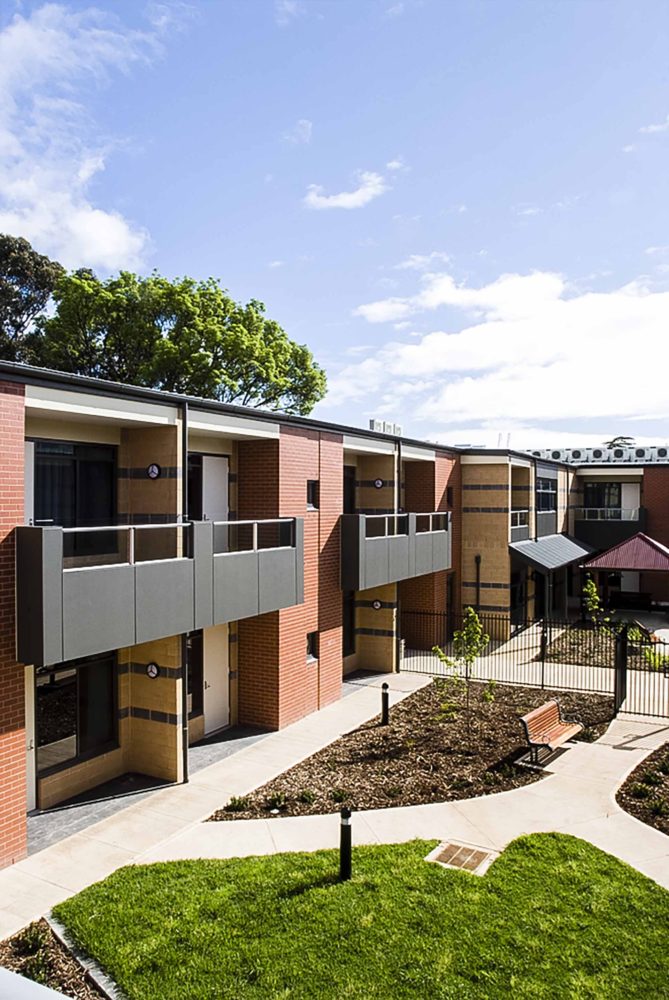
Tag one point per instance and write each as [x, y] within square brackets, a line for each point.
[636, 553]
[552, 551]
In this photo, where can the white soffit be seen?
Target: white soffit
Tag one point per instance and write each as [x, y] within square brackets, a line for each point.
[97, 407]
[484, 460]
[612, 473]
[372, 446]
[413, 454]
[208, 422]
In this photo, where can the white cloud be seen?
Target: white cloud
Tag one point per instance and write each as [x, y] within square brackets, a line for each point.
[630, 148]
[527, 210]
[300, 133]
[396, 164]
[286, 11]
[527, 350]
[276, 263]
[651, 251]
[49, 152]
[370, 186]
[659, 127]
[395, 10]
[422, 261]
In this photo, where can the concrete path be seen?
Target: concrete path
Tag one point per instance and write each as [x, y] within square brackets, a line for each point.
[577, 798]
[31, 887]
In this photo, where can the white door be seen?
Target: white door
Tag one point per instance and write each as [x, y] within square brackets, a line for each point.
[216, 678]
[629, 500]
[30, 737]
[214, 488]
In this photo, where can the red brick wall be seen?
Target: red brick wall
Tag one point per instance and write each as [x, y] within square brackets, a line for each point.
[655, 498]
[276, 684]
[12, 722]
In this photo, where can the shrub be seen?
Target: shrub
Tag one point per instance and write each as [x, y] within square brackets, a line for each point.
[306, 796]
[276, 801]
[339, 794]
[638, 791]
[659, 807]
[237, 804]
[651, 778]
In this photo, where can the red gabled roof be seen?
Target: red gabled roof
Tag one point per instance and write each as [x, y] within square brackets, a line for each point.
[636, 553]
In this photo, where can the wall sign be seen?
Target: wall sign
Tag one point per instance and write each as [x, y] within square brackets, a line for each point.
[376, 605]
[378, 483]
[152, 670]
[153, 471]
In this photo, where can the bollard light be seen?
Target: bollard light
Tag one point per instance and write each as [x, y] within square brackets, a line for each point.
[345, 846]
[385, 704]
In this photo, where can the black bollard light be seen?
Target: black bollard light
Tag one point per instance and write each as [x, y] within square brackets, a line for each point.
[345, 846]
[385, 704]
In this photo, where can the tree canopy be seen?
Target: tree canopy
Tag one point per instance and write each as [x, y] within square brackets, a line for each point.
[27, 281]
[183, 336]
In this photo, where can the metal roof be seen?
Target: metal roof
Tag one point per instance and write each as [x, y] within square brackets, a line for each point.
[551, 552]
[638, 553]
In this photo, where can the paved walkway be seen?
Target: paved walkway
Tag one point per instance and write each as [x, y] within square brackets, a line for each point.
[577, 798]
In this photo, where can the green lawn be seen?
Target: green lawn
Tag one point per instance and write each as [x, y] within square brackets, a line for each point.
[554, 917]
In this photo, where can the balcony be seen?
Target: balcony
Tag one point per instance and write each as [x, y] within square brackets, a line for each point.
[603, 527]
[82, 591]
[520, 525]
[383, 548]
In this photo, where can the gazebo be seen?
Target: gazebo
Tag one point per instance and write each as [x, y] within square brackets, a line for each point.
[636, 555]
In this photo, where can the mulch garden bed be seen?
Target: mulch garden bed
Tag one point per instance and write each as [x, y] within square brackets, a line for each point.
[431, 751]
[36, 954]
[645, 794]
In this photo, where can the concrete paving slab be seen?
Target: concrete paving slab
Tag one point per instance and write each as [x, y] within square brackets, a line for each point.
[241, 840]
[76, 862]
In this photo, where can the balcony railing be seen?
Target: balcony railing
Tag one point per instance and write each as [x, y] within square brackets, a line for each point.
[147, 582]
[607, 513]
[520, 518]
[383, 548]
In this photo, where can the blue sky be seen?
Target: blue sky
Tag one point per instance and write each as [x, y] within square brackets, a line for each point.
[460, 207]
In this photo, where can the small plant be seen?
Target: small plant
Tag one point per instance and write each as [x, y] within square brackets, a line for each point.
[651, 778]
[339, 794]
[394, 791]
[663, 766]
[592, 603]
[276, 801]
[655, 659]
[306, 796]
[490, 778]
[36, 967]
[639, 791]
[659, 807]
[237, 804]
[33, 938]
[488, 693]
[448, 711]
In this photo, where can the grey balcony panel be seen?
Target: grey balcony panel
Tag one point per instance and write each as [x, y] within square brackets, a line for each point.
[98, 610]
[424, 562]
[164, 599]
[375, 570]
[203, 577]
[299, 560]
[39, 595]
[277, 583]
[520, 533]
[441, 551]
[235, 586]
[399, 557]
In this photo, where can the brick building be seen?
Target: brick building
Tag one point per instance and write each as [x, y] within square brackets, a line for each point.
[170, 567]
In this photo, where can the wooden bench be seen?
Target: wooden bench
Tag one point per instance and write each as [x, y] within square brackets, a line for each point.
[546, 729]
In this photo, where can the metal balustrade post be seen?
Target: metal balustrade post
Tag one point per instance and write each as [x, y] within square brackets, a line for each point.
[131, 545]
[255, 536]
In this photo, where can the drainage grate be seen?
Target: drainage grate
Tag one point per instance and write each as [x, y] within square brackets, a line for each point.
[468, 857]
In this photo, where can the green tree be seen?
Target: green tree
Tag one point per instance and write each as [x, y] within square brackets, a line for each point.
[27, 281]
[469, 642]
[183, 336]
[620, 442]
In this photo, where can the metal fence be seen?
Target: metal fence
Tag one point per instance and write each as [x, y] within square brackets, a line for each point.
[623, 661]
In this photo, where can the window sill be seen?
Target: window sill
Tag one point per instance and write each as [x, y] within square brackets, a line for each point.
[80, 759]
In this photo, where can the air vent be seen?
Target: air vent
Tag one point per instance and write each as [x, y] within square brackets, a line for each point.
[557, 455]
[662, 452]
[597, 453]
[640, 452]
[576, 453]
[466, 857]
[618, 453]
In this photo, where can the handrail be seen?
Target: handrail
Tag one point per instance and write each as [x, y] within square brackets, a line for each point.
[607, 513]
[266, 520]
[127, 527]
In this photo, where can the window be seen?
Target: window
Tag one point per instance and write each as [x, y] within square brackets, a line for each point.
[546, 495]
[603, 496]
[312, 494]
[312, 646]
[195, 667]
[75, 487]
[348, 630]
[349, 489]
[75, 711]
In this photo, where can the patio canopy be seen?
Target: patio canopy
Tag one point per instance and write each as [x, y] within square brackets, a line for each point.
[638, 553]
[551, 552]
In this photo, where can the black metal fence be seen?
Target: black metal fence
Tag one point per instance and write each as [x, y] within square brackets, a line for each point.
[624, 661]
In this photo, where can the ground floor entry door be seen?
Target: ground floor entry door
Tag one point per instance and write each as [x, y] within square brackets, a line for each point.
[216, 678]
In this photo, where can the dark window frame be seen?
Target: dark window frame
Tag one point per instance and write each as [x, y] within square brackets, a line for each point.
[195, 670]
[348, 624]
[313, 494]
[546, 495]
[80, 665]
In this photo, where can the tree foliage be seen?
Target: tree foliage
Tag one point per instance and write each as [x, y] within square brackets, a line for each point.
[621, 441]
[183, 336]
[27, 281]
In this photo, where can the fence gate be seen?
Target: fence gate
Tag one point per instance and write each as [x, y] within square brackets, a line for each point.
[647, 674]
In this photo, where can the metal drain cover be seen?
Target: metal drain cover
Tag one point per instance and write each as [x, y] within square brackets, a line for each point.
[467, 857]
